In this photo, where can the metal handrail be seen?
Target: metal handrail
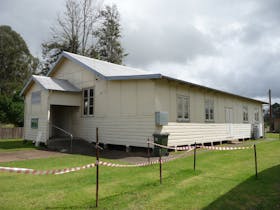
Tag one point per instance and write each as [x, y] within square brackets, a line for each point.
[66, 132]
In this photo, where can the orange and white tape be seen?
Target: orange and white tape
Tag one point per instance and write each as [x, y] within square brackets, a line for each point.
[45, 172]
[185, 148]
[225, 148]
[190, 148]
[67, 170]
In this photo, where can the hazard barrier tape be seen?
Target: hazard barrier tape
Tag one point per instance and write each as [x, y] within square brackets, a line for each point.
[108, 164]
[185, 148]
[45, 172]
[225, 148]
[189, 148]
[68, 170]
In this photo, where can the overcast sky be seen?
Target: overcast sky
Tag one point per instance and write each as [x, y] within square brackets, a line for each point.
[229, 45]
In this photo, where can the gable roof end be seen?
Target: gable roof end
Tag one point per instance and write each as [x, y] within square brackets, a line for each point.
[106, 70]
[49, 83]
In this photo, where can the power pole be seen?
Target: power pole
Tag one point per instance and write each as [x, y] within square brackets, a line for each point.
[270, 111]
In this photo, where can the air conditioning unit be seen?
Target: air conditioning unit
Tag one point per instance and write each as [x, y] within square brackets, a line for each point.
[161, 118]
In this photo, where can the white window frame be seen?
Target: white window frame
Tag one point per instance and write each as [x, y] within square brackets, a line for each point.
[88, 109]
[257, 115]
[245, 114]
[209, 106]
[34, 123]
[185, 112]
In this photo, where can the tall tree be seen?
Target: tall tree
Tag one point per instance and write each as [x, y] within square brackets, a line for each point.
[11, 109]
[16, 62]
[108, 46]
[16, 66]
[72, 31]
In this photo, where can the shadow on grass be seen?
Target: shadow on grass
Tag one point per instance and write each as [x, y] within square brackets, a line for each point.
[8, 144]
[261, 193]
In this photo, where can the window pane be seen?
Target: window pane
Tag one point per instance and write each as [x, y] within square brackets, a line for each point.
[85, 106]
[209, 109]
[245, 113]
[186, 108]
[34, 123]
[206, 114]
[211, 114]
[85, 93]
[36, 97]
[91, 110]
[91, 92]
[179, 107]
[91, 101]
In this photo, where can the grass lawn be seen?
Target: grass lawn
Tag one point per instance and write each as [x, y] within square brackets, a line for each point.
[223, 180]
[9, 145]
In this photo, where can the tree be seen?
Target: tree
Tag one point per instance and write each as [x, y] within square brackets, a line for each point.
[275, 110]
[11, 109]
[16, 62]
[108, 46]
[72, 32]
[275, 114]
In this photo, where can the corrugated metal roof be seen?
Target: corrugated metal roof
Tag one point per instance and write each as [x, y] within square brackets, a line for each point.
[109, 71]
[49, 83]
[55, 84]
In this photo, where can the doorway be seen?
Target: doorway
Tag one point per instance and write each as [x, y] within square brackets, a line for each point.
[61, 119]
[229, 120]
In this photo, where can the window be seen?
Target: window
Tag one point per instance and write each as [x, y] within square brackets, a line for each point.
[34, 123]
[209, 110]
[36, 97]
[257, 115]
[88, 97]
[182, 108]
[245, 113]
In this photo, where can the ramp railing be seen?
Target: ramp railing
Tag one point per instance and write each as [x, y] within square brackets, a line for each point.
[68, 133]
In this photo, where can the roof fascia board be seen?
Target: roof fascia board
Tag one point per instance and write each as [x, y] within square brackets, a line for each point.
[26, 86]
[55, 64]
[151, 76]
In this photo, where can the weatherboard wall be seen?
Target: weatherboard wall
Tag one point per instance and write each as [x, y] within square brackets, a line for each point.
[39, 111]
[123, 110]
[196, 128]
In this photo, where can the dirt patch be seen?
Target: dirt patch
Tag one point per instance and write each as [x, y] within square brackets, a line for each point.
[27, 155]
[60, 148]
[85, 148]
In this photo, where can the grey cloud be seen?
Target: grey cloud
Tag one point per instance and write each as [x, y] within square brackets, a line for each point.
[252, 78]
[235, 47]
[176, 43]
[32, 19]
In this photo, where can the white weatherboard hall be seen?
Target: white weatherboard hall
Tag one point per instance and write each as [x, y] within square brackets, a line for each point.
[129, 105]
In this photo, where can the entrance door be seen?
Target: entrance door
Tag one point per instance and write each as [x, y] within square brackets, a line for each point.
[229, 120]
[229, 115]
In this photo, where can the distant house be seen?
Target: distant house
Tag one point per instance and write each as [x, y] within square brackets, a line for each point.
[81, 93]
